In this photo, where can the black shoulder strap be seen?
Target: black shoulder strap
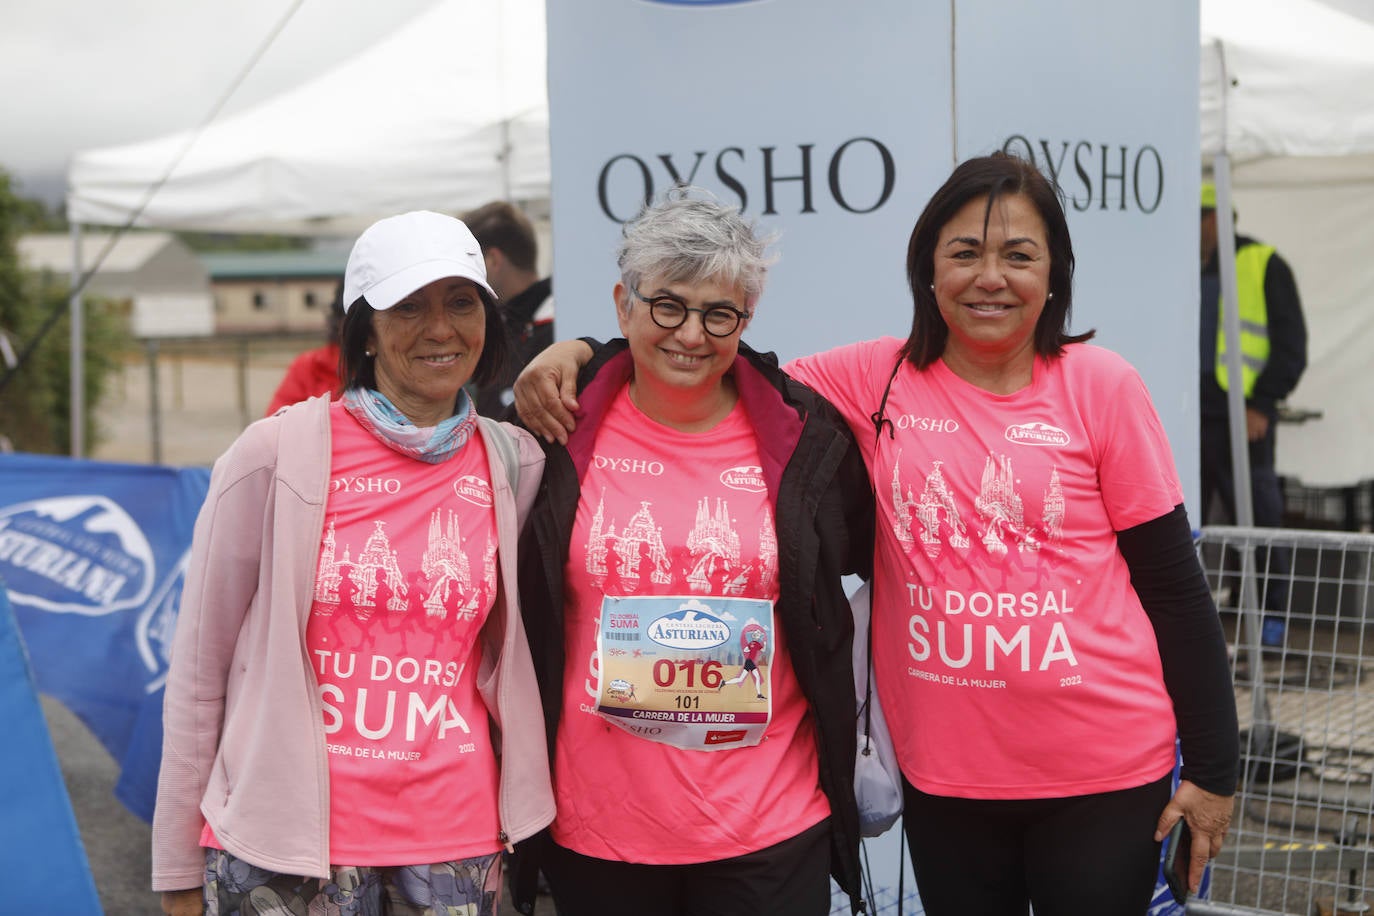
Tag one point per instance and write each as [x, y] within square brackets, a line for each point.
[880, 420]
[878, 417]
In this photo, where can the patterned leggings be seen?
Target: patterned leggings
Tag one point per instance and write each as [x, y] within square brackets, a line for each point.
[466, 887]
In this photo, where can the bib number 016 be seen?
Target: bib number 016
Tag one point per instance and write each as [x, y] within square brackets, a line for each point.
[706, 673]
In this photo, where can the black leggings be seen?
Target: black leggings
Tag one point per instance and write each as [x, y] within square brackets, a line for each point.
[791, 878]
[1087, 855]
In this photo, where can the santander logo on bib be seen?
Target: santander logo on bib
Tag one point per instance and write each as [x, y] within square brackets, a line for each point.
[746, 477]
[1036, 433]
[474, 490]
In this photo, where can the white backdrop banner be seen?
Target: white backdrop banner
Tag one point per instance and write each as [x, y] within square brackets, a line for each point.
[1104, 97]
[832, 123]
[827, 126]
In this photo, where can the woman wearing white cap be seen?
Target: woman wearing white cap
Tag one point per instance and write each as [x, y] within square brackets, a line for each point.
[349, 624]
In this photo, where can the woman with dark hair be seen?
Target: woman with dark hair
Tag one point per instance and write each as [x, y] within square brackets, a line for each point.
[349, 626]
[1042, 626]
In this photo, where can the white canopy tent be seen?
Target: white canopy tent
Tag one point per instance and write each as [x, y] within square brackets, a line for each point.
[451, 111]
[446, 113]
[1287, 106]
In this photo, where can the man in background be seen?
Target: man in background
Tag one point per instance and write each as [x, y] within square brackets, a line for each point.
[511, 250]
[1273, 345]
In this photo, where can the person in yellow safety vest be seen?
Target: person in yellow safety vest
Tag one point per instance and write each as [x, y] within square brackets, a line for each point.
[1273, 345]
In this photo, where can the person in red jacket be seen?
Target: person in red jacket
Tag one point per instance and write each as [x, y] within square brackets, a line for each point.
[314, 371]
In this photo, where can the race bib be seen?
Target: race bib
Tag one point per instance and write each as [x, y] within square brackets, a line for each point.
[692, 672]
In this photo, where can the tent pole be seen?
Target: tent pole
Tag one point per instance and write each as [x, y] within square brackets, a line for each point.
[1235, 410]
[78, 351]
[1230, 312]
[505, 159]
[1235, 391]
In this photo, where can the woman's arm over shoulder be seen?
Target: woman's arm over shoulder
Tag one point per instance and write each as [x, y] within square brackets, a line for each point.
[827, 368]
[851, 377]
[850, 482]
[546, 389]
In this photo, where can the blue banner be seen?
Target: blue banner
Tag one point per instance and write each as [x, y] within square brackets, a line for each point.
[93, 556]
[45, 864]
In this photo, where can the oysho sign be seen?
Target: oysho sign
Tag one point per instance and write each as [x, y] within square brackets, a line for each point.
[857, 176]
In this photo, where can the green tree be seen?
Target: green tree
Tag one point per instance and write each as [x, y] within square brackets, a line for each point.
[35, 402]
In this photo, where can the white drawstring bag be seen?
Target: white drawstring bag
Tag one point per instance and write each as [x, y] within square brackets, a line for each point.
[877, 779]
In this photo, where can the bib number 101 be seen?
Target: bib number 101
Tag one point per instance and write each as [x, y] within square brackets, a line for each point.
[706, 673]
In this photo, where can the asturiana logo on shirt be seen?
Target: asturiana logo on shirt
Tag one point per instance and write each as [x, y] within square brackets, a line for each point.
[746, 477]
[1036, 433]
[473, 489]
[689, 628]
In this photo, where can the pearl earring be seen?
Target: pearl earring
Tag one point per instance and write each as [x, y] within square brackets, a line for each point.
[932, 287]
[1049, 297]
[369, 354]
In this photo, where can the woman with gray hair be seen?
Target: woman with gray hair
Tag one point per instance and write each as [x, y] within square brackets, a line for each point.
[703, 513]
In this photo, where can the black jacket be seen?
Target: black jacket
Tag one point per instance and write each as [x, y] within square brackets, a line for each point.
[824, 519]
[526, 339]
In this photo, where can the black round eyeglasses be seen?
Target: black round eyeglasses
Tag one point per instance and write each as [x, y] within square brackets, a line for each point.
[669, 313]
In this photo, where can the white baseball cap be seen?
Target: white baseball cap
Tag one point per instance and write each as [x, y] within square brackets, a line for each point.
[398, 255]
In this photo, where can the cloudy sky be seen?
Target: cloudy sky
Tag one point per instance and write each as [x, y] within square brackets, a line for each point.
[84, 74]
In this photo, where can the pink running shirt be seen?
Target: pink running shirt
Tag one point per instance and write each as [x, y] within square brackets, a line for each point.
[664, 512]
[406, 578]
[1012, 656]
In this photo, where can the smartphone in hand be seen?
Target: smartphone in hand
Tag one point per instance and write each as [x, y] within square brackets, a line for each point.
[1178, 855]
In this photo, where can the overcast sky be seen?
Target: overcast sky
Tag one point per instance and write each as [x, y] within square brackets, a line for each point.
[84, 74]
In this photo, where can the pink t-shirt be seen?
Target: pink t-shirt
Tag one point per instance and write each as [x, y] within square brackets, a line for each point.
[667, 513]
[1012, 656]
[406, 577]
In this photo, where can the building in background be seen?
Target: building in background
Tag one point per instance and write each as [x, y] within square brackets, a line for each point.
[163, 285]
[270, 292]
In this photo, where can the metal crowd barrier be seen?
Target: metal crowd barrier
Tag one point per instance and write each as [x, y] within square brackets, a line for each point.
[1295, 605]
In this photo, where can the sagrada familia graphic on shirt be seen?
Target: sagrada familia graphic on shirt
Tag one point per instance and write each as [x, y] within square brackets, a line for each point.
[712, 561]
[372, 580]
[998, 512]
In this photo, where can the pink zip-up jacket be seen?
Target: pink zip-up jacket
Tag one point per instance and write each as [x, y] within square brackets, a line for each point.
[243, 731]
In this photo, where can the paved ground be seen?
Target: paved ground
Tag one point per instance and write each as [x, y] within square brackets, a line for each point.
[117, 843]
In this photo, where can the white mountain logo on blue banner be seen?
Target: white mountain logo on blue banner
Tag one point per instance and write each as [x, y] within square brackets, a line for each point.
[74, 555]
